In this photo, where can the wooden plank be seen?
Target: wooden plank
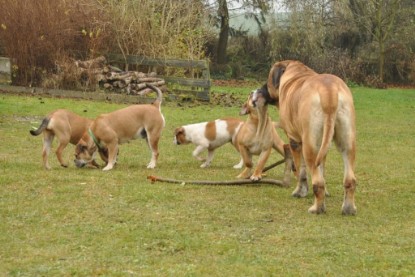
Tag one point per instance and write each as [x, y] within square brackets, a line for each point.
[140, 60]
[199, 95]
[188, 82]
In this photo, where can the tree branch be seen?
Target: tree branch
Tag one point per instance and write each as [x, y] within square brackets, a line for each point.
[239, 182]
[154, 179]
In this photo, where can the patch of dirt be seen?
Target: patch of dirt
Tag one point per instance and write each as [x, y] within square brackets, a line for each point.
[216, 99]
[226, 99]
[235, 83]
[400, 86]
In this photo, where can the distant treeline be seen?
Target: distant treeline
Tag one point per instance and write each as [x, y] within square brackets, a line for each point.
[367, 42]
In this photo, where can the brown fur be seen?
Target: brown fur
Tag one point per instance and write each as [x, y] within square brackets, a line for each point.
[180, 136]
[112, 129]
[314, 110]
[233, 124]
[249, 140]
[67, 126]
[210, 132]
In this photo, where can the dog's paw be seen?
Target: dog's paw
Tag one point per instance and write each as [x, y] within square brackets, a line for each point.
[317, 209]
[151, 165]
[242, 176]
[255, 177]
[108, 167]
[238, 166]
[245, 174]
[204, 165]
[349, 209]
[300, 191]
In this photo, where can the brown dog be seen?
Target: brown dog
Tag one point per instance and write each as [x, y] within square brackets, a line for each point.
[67, 127]
[257, 136]
[314, 109]
[109, 130]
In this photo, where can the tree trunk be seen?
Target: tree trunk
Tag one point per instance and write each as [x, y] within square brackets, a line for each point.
[381, 60]
[379, 35]
[224, 32]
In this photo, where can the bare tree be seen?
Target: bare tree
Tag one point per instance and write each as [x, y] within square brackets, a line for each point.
[373, 37]
[304, 34]
[223, 14]
[223, 7]
[378, 19]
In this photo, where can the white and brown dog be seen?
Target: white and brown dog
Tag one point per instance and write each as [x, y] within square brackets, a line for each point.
[109, 130]
[208, 135]
[314, 110]
[67, 126]
[257, 136]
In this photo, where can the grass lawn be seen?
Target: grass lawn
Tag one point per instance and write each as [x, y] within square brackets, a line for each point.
[85, 222]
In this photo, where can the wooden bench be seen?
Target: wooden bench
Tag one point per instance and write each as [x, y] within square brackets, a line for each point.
[198, 88]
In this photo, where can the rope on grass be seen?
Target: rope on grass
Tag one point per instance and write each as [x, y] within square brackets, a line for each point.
[154, 179]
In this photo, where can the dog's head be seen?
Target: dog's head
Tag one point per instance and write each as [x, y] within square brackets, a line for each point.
[249, 107]
[283, 74]
[85, 151]
[261, 97]
[180, 136]
[257, 105]
[274, 80]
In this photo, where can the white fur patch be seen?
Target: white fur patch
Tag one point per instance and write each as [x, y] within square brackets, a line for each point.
[196, 134]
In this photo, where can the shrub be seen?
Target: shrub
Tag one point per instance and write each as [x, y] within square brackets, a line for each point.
[165, 28]
[39, 35]
[36, 33]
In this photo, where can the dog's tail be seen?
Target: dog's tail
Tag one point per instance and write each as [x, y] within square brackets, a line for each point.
[41, 128]
[159, 98]
[328, 132]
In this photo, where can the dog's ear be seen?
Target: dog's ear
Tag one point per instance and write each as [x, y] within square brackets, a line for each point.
[178, 131]
[81, 147]
[244, 109]
[274, 79]
[276, 75]
[267, 96]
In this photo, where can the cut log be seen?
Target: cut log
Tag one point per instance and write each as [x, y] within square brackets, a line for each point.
[144, 85]
[98, 62]
[108, 86]
[114, 79]
[148, 79]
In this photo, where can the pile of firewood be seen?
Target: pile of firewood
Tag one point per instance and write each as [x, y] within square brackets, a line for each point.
[114, 79]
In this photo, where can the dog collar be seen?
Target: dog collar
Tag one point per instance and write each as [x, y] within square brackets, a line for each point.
[95, 139]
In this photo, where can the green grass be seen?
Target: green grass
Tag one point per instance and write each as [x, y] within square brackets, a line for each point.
[86, 222]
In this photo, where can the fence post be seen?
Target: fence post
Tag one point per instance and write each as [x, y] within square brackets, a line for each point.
[5, 71]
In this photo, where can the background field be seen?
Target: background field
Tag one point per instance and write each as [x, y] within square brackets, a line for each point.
[87, 222]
